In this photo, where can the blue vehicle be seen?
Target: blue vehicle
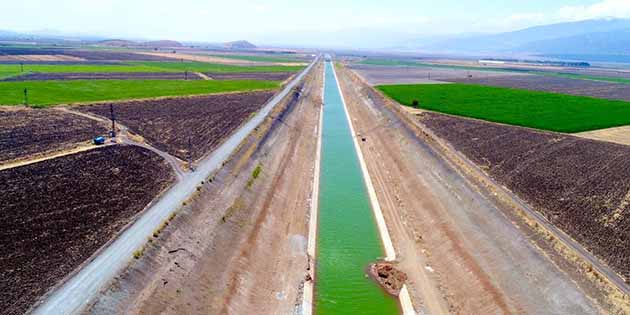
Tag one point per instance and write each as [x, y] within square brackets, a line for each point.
[99, 140]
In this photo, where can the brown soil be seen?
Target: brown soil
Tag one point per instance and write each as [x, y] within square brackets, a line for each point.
[40, 58]
[607, 90]
[36, 55]
[199, 58]
[580, 185]
[388, 277]
[27, 133]
[377, 75]
[169, 123]
[263, 76]
[244, 239]
[57, 213]
[619, 135]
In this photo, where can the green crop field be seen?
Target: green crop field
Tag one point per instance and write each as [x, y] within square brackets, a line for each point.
[541, 110]
[46, 93]
[153, 66]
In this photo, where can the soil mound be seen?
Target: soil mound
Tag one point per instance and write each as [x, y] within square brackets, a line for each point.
[390, 278]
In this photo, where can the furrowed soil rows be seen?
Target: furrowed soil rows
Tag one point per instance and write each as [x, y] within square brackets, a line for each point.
[105, 76]
[378, 75]
[580, 185]
[25, 132]
[168, 123]
[57, 213]
[614, 91]
[90, 55]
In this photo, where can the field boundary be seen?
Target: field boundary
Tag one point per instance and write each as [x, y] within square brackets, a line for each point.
[74, 149]
[279, 87]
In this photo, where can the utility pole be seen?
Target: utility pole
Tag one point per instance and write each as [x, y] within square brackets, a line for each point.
[26, 96]
[21, 66]
[186, 75]
[190, 154]
[113, 118]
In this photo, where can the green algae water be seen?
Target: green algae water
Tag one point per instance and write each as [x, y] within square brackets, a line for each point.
[347, 238]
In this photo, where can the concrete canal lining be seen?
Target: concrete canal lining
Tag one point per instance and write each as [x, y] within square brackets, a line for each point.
[347, 238]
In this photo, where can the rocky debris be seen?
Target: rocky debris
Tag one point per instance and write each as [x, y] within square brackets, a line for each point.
[390, 278]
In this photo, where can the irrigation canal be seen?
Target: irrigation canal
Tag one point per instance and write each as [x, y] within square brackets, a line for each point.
[348, 239]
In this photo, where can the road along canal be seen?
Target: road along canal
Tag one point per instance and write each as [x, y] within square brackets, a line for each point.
[348, 240]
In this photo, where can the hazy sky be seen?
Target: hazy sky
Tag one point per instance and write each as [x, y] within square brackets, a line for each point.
[316, 22]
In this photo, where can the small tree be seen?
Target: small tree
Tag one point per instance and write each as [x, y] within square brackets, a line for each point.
[415, 103]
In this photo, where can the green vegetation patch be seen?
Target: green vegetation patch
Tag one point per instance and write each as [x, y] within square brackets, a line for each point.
[7, 74]
[541, 110]
[44, 93]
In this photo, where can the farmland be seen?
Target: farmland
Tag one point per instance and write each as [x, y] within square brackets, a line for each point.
[555, 84]
[145, 66]
[265, 76]
[27, 132]
[46, 76]
[379, 75]
[30, 53]
[57, 213]
[46, 93]
[260, 58]
[214, 67]
[61, 76]
[588, 74]
[541, 110]
[168, 123]
[579, 185]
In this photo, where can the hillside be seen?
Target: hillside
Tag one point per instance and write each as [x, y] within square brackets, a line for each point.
[600, 36]
[239, 44]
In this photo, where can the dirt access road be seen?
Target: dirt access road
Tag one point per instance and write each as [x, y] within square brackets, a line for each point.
[451, 238]
[239, 246]
[84, 285]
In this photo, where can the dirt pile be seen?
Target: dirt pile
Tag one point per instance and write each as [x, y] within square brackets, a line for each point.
[388, 277]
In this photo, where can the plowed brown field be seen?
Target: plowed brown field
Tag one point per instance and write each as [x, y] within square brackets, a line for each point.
[57, 213]
[26, 132]
[580, 185]
[168, 123]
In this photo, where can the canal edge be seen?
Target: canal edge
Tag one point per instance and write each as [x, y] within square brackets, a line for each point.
[390, 253]
[309, 290]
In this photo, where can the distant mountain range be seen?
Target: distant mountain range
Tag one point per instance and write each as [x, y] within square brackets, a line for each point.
[590, 37]
[150, 44]
[51, 36]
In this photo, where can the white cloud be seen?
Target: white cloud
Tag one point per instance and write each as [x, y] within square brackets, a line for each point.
[603, 9]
